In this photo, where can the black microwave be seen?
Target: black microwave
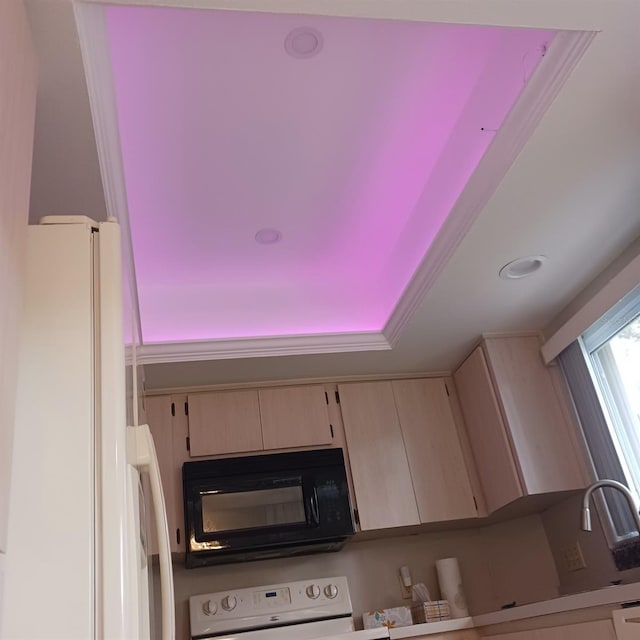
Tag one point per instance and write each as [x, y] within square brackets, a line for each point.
[265, 506]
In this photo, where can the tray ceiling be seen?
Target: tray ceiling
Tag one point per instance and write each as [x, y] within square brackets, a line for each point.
[296, 184]
[355, 156]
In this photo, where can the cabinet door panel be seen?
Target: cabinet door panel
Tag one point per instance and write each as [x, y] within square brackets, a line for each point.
[379, 466]
[545, 451]
[158, 410]
[294, 417]
[440, 479]
[598, 630]
[487, 432]
[466, 634]
[224, 422]
[180, 434]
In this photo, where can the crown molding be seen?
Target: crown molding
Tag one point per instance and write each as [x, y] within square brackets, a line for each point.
[567, 49]
[261, 347]
[92, 35]
[327, 381]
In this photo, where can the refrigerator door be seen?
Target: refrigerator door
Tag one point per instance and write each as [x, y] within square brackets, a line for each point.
[126, 455]
[77, 552]
[118, 606]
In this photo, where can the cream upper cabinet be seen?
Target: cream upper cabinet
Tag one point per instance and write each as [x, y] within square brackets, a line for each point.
[255, 420]
[379, 466]
[294, 417]
[438, 468]
[160, 419]
[517, 425]
[224, 422]
[487, 432]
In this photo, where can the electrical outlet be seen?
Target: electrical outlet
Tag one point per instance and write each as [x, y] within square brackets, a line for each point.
[573, 558]
[405, 591]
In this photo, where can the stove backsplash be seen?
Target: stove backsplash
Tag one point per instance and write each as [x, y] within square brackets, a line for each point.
[499, 564]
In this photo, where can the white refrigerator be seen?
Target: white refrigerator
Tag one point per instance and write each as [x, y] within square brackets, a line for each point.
[83, 482]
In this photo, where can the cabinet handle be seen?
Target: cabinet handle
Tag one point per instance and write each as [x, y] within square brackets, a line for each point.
[177, 536]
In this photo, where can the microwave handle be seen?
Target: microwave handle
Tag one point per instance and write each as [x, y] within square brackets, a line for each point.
[315, 509]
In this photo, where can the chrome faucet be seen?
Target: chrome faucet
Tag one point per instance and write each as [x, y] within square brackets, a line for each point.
[631, 501]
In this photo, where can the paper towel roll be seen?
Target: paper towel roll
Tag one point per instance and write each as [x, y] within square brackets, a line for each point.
[450, 583]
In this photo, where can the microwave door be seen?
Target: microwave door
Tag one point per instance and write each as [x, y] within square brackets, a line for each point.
[267, 505]
[233, 511]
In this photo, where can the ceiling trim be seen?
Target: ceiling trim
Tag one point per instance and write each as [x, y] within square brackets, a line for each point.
[261, 347]
[505, 13]
[297, 382]
[566, 51]
[92, 34]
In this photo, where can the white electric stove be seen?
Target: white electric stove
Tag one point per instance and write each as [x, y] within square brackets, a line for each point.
[305, 610]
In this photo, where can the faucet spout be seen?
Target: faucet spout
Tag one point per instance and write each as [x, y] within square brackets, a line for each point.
[613, 484]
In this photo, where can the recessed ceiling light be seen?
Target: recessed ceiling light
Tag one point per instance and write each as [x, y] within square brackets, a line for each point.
[303, 42]
[522, 267]
[268, 236]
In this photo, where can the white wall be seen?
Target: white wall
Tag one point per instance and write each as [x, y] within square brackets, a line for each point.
[499, 564]
[562, 526]
[17, 117]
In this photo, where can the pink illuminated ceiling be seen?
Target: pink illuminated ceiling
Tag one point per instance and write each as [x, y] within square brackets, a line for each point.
[356, 155]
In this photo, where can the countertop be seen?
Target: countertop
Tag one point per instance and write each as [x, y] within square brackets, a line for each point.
[585, 600]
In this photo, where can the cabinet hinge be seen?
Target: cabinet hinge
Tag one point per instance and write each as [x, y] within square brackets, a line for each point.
[178, 536]
[186, 408]
[356, 517]
[331, 427]
[337, 397]
[173, 408]
[446, 388]
[188, 442]
[326, 397]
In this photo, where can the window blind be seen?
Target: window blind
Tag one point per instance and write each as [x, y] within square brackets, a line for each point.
[613, 509]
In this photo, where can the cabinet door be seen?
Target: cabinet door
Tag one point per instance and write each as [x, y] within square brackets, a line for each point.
[224, 422]
[598, 630]
[379, 465]
[440, 479]
[465, 634]
[487, 432]
[159, 418]
[543, 446]
[294, 417]
[18, 83]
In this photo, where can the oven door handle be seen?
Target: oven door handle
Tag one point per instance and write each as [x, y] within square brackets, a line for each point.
[315, 509]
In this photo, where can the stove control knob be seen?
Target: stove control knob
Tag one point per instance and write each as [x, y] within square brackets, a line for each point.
[210, 608]
[229, 603]
[313, 591]
[331, 591]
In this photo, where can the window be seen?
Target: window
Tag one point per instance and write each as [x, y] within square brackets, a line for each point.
[602, 369]
[616, 365]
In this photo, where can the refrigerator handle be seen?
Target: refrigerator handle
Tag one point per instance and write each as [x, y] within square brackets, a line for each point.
[147, 460]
